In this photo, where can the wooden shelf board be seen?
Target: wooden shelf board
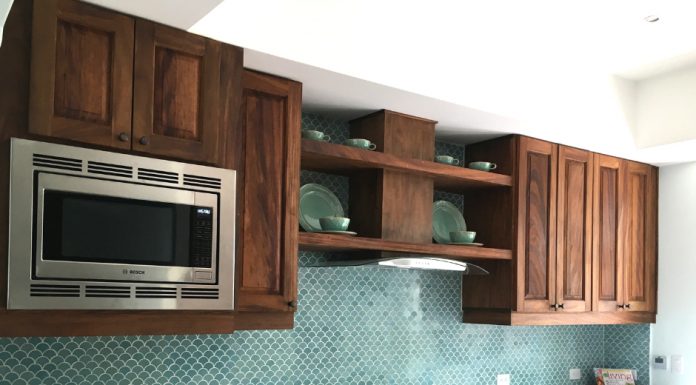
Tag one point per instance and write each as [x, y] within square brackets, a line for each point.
[507, 317]
[330, 242]
[336, 158]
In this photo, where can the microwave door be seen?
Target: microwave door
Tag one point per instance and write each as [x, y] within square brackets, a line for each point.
[108, 230]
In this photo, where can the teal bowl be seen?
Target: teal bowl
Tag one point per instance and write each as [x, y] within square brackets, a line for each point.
[334, 223]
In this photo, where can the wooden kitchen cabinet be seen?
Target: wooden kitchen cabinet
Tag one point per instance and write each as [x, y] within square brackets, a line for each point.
[625, 236]
[583, 239]
[81, 73]
[176, 91]
[554, 238]
[574, 230]
[639, 237]
[103, 78]
[536, 234]
[267, 249]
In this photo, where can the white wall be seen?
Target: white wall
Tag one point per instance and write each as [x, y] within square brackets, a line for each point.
[4, 11]
[665, 111]
[675, 330]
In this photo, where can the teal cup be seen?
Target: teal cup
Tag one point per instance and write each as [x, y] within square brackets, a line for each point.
[446, 159]
[334, 223]
[315, 135]
[483, 166]
[462, 236]
[360, 143]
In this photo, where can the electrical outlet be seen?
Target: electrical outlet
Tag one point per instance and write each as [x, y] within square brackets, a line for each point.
[503, 379]
[575, 374]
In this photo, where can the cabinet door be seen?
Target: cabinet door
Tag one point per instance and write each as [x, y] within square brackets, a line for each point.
[574, 230]
[81, 73]
[536, 227]
[267, 264]
[639, 250]
[607, 249]
[176, 94]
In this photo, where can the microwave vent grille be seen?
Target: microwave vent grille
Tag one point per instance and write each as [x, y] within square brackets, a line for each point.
[202, 181]
[109, 169]
[155, 292]
[158, 175]
[192, 292]
[58, 162]
[39, 290]
[106, 291]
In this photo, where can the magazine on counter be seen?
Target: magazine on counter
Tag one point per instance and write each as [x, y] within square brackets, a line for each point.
[615, 376]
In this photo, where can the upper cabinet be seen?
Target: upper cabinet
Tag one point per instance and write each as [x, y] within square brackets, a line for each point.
[639, 242]
[536, 214]
[574, 230]
[267, 249]
[554, 238]
[107, 79]
[583, 240]
[81, 73]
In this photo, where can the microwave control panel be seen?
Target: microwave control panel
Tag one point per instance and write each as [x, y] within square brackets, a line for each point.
[201, 252]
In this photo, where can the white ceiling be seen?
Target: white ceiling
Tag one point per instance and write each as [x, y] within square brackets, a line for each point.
[558, 70]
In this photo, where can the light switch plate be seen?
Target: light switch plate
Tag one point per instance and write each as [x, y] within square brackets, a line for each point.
[503, 379]
[575, 374]
[677, 361]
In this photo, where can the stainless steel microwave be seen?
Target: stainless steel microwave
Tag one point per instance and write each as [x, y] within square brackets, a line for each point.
[93, 229]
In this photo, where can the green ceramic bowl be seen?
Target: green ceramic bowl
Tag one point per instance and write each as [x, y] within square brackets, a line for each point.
[334, 223]
[360, 143]
[462, 236]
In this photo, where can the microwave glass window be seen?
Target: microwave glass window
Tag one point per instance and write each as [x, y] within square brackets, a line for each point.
[104, 229]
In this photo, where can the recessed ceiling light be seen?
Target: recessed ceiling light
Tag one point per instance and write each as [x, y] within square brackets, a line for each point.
[651, 18]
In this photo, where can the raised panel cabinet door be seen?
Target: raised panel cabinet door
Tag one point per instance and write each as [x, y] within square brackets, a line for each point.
[536, 227]
[176, 102]
[607, 225]
[639, 251]
[574, 230]
[81, 73]
[267, 263]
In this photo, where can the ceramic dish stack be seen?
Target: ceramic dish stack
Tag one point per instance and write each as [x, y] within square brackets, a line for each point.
[321, 211]
[449, 226]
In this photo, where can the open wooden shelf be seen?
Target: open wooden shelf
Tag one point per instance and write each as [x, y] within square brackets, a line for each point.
[340, 159]
[330, 242]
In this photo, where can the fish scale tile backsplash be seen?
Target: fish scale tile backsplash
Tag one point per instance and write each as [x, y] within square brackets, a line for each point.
[357, 325]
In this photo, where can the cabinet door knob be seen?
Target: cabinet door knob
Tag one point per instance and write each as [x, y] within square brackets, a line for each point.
[145, 140]
[292, 304]
[627, 306]
[123, 137]
[560, 306]
[621, 306]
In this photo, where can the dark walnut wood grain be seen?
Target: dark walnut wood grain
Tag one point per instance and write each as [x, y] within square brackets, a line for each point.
[330, 242]
[608, 221]
[345, 160]
[267, 264]
[536, 216]
[404, 137]
[176, 106]
[640, 254]
[573, 230]
[59, 323]
[493, 317]
[81, 73]
[483, 210]
[398, 134]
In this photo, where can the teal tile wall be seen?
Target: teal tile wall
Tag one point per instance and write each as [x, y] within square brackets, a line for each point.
[362, 326]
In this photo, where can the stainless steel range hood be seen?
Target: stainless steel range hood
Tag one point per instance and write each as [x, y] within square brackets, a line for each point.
[410, 262]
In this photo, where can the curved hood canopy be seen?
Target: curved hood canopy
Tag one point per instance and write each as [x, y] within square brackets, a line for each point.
[410, 262]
